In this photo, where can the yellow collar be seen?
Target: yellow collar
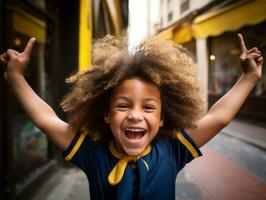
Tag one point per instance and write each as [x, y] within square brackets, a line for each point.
[117, 172]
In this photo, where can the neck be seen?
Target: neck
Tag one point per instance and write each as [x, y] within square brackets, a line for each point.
[119, 154]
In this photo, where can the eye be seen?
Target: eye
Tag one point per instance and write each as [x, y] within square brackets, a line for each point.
[122, 106]
[149, 108]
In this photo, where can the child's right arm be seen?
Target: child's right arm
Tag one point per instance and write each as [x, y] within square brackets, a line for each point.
[43, 116]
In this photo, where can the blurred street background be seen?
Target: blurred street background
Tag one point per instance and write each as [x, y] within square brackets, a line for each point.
[233, 165]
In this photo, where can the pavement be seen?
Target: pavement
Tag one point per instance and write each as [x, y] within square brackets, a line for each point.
[66, 183]
[232, 167]
[247, 132]
[215, 177]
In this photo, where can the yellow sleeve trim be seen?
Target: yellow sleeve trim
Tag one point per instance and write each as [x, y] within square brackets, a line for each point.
[187, 144]
[76, 147]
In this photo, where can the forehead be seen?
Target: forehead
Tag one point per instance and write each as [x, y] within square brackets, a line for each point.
[136, 87]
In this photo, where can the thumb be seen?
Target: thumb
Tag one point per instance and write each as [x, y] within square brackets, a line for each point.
[29, 46]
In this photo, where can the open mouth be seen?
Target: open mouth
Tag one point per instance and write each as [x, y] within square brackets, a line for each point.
[135, 133]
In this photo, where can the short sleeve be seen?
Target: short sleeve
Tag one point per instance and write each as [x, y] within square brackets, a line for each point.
[79, 151]
[185, 149]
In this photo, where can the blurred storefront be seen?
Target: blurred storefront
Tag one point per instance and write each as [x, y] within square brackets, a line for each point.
[26, 153]
[209, 31]
[180, 33]
[220, 27]
[64, 33]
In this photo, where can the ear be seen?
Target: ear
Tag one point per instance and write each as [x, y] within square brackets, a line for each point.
[161, 123]
[106, 118]
[162, 120]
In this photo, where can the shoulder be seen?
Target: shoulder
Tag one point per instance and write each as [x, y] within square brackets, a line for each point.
[187, 142]
[83, 145]
[181, 144]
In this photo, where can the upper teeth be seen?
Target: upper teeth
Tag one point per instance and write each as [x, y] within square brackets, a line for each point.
[135, 129]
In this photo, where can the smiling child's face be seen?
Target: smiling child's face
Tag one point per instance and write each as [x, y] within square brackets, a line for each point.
[134, 115]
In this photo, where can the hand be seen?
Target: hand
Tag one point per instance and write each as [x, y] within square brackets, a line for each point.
[251, 60]
[15, 62]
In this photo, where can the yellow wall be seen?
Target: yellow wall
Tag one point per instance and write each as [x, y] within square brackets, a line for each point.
[85, 34]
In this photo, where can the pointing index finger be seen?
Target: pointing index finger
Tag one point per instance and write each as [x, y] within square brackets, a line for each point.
[242, 43]
[29, 46]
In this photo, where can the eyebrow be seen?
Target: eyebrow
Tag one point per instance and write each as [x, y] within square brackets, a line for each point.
[128, 99]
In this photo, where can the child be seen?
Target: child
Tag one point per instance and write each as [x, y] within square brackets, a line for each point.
[135, 118]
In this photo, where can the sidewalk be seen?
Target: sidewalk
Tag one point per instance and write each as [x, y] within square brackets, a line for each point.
[64, 184]
[213, 177]
[247, 132]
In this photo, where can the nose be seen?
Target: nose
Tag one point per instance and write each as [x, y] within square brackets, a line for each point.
[135, 116]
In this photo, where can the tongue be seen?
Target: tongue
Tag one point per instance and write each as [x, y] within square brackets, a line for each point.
[134, 135]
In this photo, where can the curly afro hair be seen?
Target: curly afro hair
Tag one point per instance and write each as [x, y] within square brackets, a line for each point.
[167, 65]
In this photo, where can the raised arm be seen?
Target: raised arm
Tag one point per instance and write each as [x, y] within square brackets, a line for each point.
[224, 110]
[43, 116]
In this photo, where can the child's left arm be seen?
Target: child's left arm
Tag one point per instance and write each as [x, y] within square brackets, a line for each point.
[224, 110]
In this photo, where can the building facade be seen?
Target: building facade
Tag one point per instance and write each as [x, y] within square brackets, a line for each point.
[209, 30]
[64, 33]
[26, 153]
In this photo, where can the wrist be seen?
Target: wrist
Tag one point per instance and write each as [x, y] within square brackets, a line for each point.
[13, 78]
[250, 77]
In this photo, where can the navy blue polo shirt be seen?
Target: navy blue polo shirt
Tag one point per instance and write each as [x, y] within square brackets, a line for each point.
[153, 176]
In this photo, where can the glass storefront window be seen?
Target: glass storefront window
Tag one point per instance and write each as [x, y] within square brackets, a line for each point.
[30, 145]
[224, 62]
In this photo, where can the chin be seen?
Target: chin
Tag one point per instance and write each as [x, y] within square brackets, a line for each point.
[133, 151]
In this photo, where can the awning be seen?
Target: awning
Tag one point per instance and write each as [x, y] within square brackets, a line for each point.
[180, 34]
[165, 35]
[29, 25]
[230, 18]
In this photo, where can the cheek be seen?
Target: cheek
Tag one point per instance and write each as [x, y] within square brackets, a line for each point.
[159, 116]
[116, 119]
[155, 121]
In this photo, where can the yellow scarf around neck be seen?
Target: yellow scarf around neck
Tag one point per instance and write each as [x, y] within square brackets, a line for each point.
[117, 172]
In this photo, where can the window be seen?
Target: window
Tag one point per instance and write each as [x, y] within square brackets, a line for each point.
[184, 5]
